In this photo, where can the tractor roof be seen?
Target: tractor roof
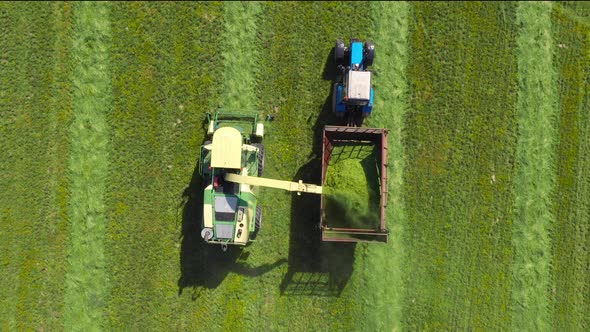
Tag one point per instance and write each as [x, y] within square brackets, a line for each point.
[359, 85]
[227, 148]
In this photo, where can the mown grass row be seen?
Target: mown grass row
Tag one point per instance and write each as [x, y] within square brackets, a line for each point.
[239, 52]
[535, 168]
[86, 280]
[166, 74]
[384, 265]
[460, 143]
[35, 103]
[570, 261]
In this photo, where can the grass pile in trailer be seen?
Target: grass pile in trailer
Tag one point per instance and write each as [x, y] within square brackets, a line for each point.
[351, 191]
[354, 178]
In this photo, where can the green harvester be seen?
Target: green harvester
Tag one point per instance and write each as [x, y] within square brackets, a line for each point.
[231, 165]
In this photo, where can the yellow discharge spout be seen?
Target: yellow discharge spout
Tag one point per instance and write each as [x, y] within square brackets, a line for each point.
[299, 187]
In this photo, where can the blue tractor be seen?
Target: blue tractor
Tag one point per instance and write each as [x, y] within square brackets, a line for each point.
[352, 95]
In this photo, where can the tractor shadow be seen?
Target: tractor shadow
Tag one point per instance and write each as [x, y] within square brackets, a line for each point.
[205, 265]
[315, 267]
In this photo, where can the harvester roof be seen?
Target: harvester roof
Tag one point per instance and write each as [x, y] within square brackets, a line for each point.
[227, 148]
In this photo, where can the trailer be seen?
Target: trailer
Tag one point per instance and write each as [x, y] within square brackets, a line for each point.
[347, 143]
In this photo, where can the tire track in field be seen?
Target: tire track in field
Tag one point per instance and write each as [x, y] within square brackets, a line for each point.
[86, 279]
[535, 169]
[383, 270]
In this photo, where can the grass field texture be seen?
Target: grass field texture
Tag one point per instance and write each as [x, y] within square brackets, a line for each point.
[570, 286]
[102, 109]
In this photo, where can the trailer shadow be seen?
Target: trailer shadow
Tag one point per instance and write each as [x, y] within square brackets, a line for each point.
[205, 265]
[315, 267]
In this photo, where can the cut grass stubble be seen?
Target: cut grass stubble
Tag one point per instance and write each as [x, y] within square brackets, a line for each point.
[460, 142]
[570, 265]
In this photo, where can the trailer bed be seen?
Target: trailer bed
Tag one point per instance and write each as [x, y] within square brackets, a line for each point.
[354, 177]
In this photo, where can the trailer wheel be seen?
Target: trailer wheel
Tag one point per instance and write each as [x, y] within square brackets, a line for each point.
[369, 54]
[339, 50]
[258, 218]
[260, 158]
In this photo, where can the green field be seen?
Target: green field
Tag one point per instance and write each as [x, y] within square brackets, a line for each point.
[102, 109]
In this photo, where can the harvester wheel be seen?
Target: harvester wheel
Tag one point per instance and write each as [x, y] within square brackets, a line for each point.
[207, 180]
[339, 50]
[369, 54]
[260, 158]
[258, 220]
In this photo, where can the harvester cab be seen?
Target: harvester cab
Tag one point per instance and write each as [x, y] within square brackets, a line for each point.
[231, 165]
[352, 95]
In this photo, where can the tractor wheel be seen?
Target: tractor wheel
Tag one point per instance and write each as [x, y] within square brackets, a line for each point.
[260, 158]
[339, 50]
[369, 54]
[258, 218]
[335, 101]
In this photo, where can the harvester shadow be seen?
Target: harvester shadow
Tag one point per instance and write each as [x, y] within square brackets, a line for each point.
[205, 265]
[316, 268]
